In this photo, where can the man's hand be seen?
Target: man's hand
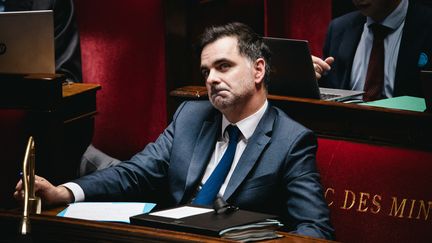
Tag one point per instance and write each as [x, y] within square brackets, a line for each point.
[321, 66]
[50, 194]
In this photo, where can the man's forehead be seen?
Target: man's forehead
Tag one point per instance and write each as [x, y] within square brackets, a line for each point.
[223, 48]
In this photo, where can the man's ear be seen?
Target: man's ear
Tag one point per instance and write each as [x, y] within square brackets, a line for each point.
[259, 70]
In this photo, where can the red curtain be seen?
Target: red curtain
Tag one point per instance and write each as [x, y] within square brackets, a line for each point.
[299, 19]
[123, 49]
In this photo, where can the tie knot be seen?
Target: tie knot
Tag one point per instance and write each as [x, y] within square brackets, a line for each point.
[233, 133]
[380, 31]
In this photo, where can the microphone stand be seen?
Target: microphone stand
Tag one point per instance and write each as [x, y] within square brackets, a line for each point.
[32, 204]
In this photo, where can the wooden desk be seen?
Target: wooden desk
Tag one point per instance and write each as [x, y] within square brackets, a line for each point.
[59, 116]
[347, 121]
[49, 228]
[63, 132]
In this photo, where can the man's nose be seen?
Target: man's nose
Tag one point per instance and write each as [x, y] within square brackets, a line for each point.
[213, 77]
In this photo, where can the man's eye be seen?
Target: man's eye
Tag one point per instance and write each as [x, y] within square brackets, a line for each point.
[204, 73]
[224, 66]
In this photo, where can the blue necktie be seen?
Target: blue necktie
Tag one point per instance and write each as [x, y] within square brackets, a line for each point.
[211, 187]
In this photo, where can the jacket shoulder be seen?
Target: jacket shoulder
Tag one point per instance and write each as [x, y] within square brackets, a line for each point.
[347, 20]
[195, 110]
[286, 126]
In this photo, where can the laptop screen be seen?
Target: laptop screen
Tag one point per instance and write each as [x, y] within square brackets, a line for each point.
[27, 42]
[292, 71]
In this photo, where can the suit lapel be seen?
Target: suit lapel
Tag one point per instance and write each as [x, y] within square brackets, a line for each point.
[348, 47]
[201, 154]
[252, 152]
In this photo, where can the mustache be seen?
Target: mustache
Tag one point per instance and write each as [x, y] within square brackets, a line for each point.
[215, 89]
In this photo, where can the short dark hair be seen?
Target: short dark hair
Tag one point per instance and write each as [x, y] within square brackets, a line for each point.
[250, 44]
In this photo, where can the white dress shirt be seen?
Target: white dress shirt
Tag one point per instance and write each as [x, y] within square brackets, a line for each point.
[247, 127]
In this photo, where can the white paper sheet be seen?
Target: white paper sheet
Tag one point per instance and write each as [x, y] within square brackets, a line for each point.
[181, 212]
[106, 211]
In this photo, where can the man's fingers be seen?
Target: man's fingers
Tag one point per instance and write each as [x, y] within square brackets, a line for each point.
[18, 185]
[322, 65]
[19, 195]
[39, 178]
[329, 60]
[318, 68]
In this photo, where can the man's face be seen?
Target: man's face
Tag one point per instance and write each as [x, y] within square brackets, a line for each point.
[376, 9]
[227, 74]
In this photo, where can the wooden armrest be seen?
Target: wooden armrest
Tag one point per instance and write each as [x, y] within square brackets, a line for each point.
[190, 92]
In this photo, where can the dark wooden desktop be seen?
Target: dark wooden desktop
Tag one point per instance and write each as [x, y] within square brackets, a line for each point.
[49, 228]
[346, 121]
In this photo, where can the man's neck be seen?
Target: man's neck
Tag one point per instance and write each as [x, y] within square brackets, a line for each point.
[241, 111]
[383, 14]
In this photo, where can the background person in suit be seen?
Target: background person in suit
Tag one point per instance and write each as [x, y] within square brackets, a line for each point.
[408, 47]
[273, 168]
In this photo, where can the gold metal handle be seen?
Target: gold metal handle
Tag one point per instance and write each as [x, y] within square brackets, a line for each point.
[32, 204]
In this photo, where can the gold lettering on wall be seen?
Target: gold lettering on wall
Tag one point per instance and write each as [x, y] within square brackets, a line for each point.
[326, 193]
[363, 201]
[397, 209]
[423, 209]
[412, 208]
[347, 193]
[376, 202]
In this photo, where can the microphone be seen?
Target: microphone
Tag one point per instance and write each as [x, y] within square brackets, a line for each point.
[220, 206]
[32, 204]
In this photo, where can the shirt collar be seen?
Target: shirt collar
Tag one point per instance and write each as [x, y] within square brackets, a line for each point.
[247, 125]
[396, 18]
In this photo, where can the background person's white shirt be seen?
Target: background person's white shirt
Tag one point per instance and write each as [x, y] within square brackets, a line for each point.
[395, 21]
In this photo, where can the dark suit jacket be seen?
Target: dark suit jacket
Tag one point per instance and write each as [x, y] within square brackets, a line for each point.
[276, 173]
[344, 35]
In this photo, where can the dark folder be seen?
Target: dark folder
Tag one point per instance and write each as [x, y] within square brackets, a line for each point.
[208, 223]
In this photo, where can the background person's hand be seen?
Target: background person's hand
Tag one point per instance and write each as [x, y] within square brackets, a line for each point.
[51, 195]
[321, 66]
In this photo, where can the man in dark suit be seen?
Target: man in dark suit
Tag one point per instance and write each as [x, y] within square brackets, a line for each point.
[408, 47]
[273, 167]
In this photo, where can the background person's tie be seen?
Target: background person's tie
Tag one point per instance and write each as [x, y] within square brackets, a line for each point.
[374, 82]
[211, 187]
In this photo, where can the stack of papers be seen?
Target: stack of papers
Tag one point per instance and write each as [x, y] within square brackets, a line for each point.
[106, 211]
[264, 230]
[240, 225]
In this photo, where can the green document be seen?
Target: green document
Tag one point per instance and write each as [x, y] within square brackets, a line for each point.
[409, 103]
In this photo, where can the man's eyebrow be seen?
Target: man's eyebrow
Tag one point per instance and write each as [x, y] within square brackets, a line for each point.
[216, 62]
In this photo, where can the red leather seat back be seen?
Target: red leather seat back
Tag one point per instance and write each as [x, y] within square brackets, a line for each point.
[123, 49]
[14, 135]
[377, 193]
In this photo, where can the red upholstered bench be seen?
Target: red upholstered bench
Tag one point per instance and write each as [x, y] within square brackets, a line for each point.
[13, 141]
[377, 193]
